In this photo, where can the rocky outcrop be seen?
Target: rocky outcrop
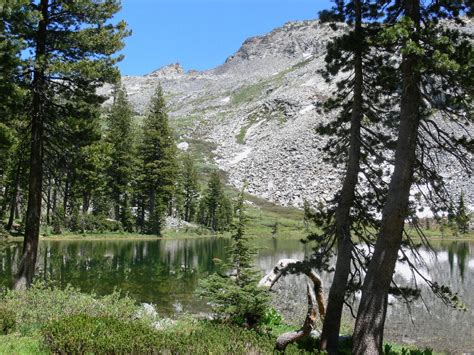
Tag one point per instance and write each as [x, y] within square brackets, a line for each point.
[259, 110]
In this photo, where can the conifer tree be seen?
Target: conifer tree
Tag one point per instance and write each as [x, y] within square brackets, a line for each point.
[159, 167]
[215, 208]
[120, 136]
[189, 188]
[355, 136]
[462, 216]
[72, 45]
[436, 79]
[236, 295]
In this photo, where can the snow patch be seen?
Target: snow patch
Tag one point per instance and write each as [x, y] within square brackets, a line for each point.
[226, 100]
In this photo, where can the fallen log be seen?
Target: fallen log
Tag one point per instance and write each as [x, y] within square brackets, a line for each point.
[315, 301]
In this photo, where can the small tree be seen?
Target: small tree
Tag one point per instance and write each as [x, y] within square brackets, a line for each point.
[462, 217]
[215, 208]
[236, 296]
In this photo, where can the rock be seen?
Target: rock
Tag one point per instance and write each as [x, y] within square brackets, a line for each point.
[260, 109]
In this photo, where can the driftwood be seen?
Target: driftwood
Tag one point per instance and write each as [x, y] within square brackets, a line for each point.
[315, 302]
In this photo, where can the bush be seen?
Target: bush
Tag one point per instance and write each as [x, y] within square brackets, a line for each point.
[79, 334]
[7, 320]
[106, 335]
[40, 304]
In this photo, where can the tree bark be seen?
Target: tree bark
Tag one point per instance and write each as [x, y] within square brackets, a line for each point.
[48, 203]
[26, 268]
[368, 333]
[14, 196]
[332, 321]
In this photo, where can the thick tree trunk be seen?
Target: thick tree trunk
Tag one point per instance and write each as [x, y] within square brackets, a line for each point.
[368, 333]
[26, 269]
[332, 321]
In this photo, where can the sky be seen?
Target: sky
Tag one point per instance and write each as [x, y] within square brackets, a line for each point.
[201, 34]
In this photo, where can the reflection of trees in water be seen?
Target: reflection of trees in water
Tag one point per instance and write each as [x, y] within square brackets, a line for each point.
[158, 271]
[167, 271]
[461, 251]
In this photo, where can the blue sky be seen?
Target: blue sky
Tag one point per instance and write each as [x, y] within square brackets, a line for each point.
[201, 34]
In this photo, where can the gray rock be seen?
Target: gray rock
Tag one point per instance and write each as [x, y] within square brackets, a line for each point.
[259, 111]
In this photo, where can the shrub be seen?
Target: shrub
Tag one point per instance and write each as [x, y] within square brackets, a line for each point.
[83, 333]
[106, 335]
[40, 304]
[7, 320]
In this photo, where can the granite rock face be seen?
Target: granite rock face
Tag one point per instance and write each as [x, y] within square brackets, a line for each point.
[259, 111]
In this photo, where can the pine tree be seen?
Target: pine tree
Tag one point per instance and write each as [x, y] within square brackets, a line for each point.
[72, 46]
[215, 208]
[462, 216]
[120, 136]
[236, 296]
[159, 167]
[189, 188]
[436, 77]
[357, 134]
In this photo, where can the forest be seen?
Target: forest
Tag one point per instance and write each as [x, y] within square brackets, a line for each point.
[77, 164]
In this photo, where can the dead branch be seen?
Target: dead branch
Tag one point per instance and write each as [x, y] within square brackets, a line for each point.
[315, 301]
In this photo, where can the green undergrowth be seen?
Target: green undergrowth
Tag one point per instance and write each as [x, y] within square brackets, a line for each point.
[45, 320]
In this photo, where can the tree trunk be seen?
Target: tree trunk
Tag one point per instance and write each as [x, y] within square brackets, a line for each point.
[14, 196]
[26, 268]
[332, 321]
[66, 194]
[48, 203]
[368, 333]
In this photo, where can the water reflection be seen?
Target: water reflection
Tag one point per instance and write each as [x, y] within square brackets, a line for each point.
[166, 272]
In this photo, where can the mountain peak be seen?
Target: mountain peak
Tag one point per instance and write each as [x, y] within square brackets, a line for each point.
[174, 69]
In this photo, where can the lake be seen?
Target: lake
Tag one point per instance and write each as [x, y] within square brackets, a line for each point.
[166, 273]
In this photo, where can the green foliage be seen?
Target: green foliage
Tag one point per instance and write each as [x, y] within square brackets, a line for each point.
[236, 296]
[14, 344]
[248, 93]
[389, 349]
[40, 304]
[86, 334]
[215, 208]
[7, 320]
[159, 167]
[272, 318]
[462, 216]
[122, 158]
[189, 188]
[83, 333]
[58, 221]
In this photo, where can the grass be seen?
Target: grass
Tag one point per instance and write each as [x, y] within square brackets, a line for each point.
[250, 92]
[16, 344]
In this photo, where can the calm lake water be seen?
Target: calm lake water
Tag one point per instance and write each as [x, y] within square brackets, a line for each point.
[166, 273]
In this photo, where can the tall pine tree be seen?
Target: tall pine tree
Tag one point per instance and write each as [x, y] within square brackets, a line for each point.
[72, 46]
[436, 79]
[159, 167]
[120, 136]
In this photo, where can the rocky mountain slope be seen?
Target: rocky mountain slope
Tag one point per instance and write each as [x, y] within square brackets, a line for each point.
[258, 113]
